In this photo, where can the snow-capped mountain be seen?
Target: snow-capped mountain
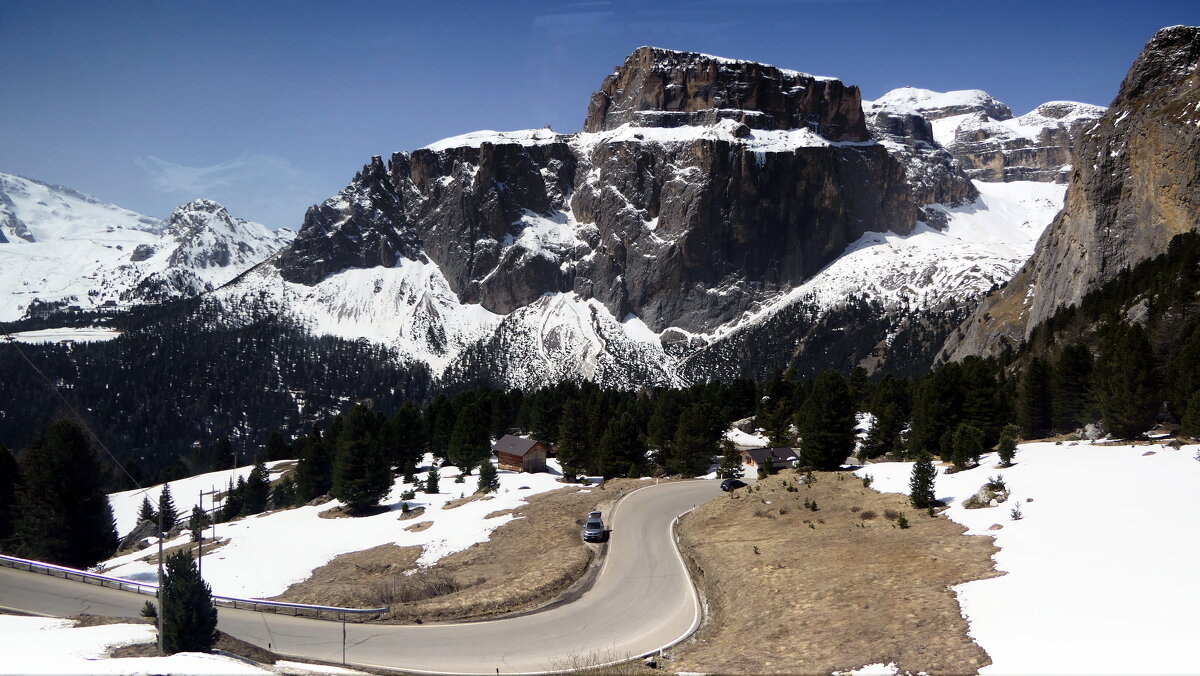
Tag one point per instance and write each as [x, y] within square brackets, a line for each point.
[705, 199]
[61, 248]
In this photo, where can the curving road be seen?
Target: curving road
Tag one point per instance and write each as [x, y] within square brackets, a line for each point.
[642, 600]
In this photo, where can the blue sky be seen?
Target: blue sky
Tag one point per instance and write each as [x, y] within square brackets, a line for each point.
[271, 106]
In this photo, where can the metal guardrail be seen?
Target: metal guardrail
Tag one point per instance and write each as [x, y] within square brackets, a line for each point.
[149, 589]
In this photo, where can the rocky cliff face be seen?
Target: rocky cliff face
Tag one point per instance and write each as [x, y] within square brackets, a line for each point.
[1136, 184]
[984, 138]
[665, 88]
[1037, 146]
[934, 175]
[699, 187]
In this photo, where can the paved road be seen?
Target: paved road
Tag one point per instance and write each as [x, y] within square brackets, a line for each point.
[642, 600]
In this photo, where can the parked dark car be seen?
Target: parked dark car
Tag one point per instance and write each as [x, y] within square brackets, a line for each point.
[731, 484]
[593, 529]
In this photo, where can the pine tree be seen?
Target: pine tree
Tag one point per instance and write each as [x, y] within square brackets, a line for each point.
[410, 438]
[147, 512]
[1007, 447]
[489, 482]
[283, 495]
[936, 407]
[277, 448]
[1184, 374]
[469, 442]
[62, 514]
[967, 445]
[10, 481]
[196, 523]
[572, 448]
[189, 618]
[1073, 405]
[1035, 413]
[167, 512]
[766, 468]
[258, 489]
[921, 484]
[441, 417]
[731, 461]
[827, 423]
[1125, 381]
[695, 442]
[232, 506]
[361, 472]
[314, 472]
[431, 481]
[1190, 425]
[621, 450]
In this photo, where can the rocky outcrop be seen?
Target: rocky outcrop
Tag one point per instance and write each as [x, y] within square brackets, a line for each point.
[1037, 146]
[934, 176]
[769, 178]
[665, 88]
[1135, 185]
[984, 138]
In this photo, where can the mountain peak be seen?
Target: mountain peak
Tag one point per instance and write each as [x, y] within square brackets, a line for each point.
[658, 87]
[937, 105]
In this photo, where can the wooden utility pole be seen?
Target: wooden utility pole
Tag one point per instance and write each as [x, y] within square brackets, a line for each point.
[161, 535]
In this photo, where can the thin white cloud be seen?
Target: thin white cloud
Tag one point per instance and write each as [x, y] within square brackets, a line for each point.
[257, 187]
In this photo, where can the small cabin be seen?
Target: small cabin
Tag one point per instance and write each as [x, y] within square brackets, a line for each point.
[519, 454]
[781, 457]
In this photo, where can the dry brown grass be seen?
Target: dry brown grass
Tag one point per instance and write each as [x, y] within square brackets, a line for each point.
[418, 527]
[527, 562]
[459, 502]
[797, 594]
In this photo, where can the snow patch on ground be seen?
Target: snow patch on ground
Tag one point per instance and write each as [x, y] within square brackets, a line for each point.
[85, 334]
[746, 440]
[38, 645]
[310, 541]
[1101, 568]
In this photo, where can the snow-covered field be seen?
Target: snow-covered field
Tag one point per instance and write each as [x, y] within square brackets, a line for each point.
[39, 645]
[83, 334]
[1101, 568]
[297, 541]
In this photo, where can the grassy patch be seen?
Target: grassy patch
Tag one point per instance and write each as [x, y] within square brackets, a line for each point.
[795, 594]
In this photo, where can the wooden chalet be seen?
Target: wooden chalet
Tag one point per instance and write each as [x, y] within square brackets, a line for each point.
[781, 456]
[519, 454]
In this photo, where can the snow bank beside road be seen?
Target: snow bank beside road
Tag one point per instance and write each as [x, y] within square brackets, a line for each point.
[1101, 568]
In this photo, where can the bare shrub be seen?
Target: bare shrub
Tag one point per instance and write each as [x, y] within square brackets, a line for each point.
[867, 515]
[766, 513]
[424, 584]
[891, 514]
[855, 509]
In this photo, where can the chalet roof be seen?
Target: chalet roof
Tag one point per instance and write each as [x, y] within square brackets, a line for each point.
[778, 454]
[513, 445]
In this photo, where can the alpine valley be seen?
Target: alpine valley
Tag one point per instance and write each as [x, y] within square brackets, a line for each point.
[714, 219]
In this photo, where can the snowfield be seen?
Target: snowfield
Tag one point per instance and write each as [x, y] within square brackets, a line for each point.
[1101, 568]
[39, 645]
[297, 541]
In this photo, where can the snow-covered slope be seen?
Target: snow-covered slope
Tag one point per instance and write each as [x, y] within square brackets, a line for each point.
[236, 568]
[1099, 571]
[59, 246]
